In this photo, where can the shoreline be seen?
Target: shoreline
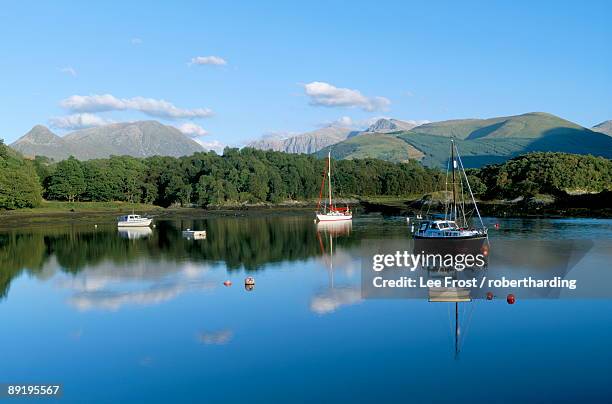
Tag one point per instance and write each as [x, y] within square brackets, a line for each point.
[53, 212]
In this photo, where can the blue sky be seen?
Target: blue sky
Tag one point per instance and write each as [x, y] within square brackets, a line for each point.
[293, 67]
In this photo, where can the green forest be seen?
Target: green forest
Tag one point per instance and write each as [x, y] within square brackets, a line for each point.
[236, 177]
[254, 176]
[544, 173]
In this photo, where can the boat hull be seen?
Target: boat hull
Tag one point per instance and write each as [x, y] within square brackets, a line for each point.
[139, 223]
[333, 218]
[456, 245]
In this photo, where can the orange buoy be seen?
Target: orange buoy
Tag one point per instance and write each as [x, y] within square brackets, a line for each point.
[227, 283]
[489, 295]
[511, 299]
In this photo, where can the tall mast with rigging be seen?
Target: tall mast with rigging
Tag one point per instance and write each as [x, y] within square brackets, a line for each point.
[454, 217]
[329, 178]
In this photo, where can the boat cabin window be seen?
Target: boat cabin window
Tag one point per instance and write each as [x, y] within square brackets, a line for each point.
[423, 227]
[434, 225]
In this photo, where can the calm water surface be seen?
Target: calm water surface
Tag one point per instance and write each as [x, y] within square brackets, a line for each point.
[142, 315]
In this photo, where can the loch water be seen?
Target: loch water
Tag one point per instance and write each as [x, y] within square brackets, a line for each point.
[144, 315]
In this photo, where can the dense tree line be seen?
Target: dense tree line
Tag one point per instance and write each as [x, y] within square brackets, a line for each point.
[19, 184]
[254, 176]
[543, 173]
[237, 176]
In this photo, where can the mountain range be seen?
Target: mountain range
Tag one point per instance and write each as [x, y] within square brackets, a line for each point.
[313, 141]
[308, 142]
[138, 139]
[481, 141]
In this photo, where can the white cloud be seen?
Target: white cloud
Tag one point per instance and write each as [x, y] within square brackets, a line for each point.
[346, 121]
[211, 145]
[78, 121]
[136, 41]
[208, 60]
[69, 70]
[342, 122]
[333, 299]
[327, 95]
[148, 106]
[192, 129]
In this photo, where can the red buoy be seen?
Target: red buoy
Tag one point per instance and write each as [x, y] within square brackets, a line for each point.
[227, 283]
[511, 299]
[489, 295]
[485, 250]
[497, 225]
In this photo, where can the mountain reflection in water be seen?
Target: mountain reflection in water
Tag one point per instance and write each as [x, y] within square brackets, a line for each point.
[150, 309]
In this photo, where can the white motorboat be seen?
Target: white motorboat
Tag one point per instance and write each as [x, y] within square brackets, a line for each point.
[331, 212]
[133, 221]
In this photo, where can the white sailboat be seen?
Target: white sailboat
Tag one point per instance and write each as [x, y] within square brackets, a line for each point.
[456, 224]
[330, 212]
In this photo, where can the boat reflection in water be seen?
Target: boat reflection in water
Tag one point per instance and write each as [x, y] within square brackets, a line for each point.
[341, 228]
[334, 296]
[454, 296]
[134, 233]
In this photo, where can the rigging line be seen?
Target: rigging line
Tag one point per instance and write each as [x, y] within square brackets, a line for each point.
[446, 190]
[471, 193]
[463, 203]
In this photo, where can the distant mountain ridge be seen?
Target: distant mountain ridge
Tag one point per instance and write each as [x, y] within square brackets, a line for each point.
[386, 125]
[40, 141]
[138, 139]
[313, 141]
[308, 142]
[481, 141]
[604, 127]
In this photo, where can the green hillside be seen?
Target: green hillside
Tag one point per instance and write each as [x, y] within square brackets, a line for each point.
[480, 141]
[530, 125]
[380, 146]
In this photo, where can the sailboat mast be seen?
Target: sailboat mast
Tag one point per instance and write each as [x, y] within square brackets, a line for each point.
[454, 194]
[329, 177]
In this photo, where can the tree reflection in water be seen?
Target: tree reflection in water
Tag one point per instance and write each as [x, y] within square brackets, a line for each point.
[235, 242]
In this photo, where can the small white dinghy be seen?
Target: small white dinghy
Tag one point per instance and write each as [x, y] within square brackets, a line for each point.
[194, 234]
[133, 221]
